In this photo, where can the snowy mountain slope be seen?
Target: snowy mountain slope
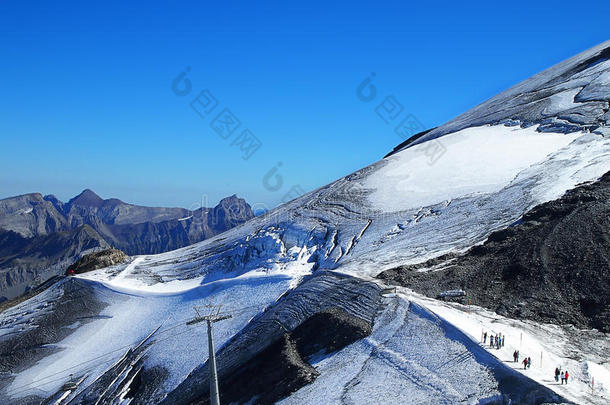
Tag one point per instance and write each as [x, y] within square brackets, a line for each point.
[423, 360]
[351, 224]
[551, 266]
[100, 339]
[403, 209]
[322, 291]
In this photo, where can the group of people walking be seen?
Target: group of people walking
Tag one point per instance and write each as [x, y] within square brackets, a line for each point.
[496, 341]
[564, 375]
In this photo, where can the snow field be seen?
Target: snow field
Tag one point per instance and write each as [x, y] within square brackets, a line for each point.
[476, 160]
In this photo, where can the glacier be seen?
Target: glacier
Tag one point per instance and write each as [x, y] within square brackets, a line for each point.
[523, 147]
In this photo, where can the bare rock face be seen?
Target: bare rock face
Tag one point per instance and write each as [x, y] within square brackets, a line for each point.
[31, 215]
[98, 260]
[275, 373]
[229, 212]
[283, 367]
[132, 228]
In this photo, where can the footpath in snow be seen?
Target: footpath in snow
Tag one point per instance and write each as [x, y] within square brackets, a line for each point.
[583, 353]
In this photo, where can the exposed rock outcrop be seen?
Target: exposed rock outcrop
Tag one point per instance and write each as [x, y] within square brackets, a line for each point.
[97, 260]
[31, 215]
[283, 367]
[274, 373]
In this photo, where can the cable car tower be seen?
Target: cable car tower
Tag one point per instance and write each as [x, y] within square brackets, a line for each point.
[212, 315]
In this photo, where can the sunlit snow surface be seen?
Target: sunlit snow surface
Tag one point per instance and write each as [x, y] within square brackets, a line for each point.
[473, 161]
[396, 211]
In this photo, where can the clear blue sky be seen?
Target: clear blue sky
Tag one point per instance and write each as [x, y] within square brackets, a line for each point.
[87, 99]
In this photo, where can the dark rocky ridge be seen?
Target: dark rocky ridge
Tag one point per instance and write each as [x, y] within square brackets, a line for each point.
[408, 141]
[32, 227]
[553, 266]
[273, 374]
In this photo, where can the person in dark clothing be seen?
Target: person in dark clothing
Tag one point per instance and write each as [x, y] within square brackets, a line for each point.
[529, 362]
[491, 340]
[525, 363]
[515, 356]
[484, 337]
[557, 372]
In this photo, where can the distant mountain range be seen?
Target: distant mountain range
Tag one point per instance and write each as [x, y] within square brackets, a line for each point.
[40, 235]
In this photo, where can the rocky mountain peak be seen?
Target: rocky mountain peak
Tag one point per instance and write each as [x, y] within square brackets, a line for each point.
[87, 198]
[31, 197]
[230, 212]
[51, 198]
[231, 200]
